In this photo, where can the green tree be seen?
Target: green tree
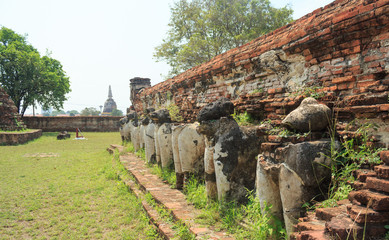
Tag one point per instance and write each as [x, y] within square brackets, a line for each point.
[72, 112]
[90, 112]
[27, 77]
[116, 112]
[57, 112]
[201, 29]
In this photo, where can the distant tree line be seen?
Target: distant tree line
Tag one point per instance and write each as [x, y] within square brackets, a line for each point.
[88, 111]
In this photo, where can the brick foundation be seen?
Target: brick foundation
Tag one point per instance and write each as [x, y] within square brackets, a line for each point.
[14, 138]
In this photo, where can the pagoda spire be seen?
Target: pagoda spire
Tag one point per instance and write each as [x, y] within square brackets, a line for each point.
[109, 92]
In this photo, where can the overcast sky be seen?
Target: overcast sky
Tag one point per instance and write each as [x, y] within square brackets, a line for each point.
[102, 43]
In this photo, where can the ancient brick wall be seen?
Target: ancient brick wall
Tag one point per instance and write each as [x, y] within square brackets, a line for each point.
[84, 123]
[340, 52]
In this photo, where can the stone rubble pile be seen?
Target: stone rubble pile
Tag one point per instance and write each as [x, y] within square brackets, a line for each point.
[364, 216]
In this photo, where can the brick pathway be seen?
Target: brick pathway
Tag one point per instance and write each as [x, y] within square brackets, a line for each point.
[171, 199]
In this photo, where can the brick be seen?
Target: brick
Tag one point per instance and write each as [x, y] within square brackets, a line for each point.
[366, 77]
[367, 84]
[327, 214]
[377, 201]
[357, 185]
[271, 91]
[311, 226]
[362, 214]
[269, 147]
[343, 79]
[372, 58]
[382, 172]
[384, 107]
[362, 174]
[384, 155]
[312, 235]
[345, 228]
[377, 184]
[344, 15]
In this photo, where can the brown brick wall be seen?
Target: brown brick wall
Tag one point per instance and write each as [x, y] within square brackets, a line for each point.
[341, 50]
[85, 124]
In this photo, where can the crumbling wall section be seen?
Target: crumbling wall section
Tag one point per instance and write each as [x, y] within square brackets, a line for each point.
[338, 53]
[10, 119]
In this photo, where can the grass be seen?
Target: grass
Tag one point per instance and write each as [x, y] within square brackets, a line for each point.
[67, 189]
[242, 221]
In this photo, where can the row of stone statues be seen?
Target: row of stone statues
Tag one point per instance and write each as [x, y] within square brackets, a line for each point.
[231, 159]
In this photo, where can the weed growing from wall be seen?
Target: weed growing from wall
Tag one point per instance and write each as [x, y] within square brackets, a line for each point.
[353, 154]
[313, 91]
[243, 119]
[174, 112]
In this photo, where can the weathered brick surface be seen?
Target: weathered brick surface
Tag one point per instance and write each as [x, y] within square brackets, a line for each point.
[362, 214]
[342, 49]
[382, 171]
[327, 214]
[384, 155]
[84, 123]
[377, 201]
[362, 174]
[377, 184]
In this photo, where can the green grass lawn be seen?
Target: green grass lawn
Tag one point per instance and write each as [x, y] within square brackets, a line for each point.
[67, 189]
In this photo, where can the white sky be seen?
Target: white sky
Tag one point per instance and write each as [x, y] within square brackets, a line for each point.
[101, 42]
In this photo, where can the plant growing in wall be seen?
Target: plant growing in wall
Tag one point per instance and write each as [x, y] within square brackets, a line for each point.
[312, 91]
[174, 112]
[355, 153]
[243, 119]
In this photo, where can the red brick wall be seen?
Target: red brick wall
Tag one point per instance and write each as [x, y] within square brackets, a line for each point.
[85, 124]
[341, 50]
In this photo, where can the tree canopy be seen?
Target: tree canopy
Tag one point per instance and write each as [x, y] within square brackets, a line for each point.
[91, 111]
[116, 112]
[28, 77]
[201, 29]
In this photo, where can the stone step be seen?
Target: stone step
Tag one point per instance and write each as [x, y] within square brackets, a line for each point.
[384, 155]
[326, 214]
[110, 150]
[362, 214]
[382, 171]
[379, 201]
[362, 174]
[358, 185]
[313, 225]
[345, 228]
[377, 184]
[311, 235]
[118, 147]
